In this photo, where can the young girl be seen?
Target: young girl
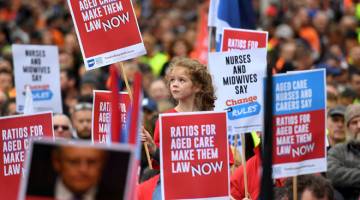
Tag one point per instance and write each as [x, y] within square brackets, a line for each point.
[191, 86]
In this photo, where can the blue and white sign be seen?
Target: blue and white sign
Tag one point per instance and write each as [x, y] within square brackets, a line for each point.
[37, 67]
[299, 123]
[238, 78]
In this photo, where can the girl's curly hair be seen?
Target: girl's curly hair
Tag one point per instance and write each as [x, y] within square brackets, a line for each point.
[199, 75]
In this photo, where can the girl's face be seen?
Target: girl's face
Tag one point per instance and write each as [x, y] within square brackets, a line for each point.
[181, 86]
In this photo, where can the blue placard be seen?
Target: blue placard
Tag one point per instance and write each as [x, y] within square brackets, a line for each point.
[299, 92]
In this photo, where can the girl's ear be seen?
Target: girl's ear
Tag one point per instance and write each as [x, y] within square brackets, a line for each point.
[197, 88]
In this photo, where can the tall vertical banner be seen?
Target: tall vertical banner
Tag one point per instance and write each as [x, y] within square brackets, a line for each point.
[101, 123]
[240, 39]
[299, 119]
[194, 152]
[107, 31]
[37, 66]
[16, 132]
[238, 80]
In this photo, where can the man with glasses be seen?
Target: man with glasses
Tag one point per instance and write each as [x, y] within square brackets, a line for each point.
[81, 118]
[62, 126]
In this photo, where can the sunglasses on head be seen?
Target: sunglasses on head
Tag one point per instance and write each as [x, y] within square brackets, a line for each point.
[83, 106]
[63, 127]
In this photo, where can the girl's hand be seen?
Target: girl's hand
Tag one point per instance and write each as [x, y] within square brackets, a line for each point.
[148, 140]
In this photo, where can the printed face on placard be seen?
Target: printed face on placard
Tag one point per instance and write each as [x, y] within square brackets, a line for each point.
[79, 168]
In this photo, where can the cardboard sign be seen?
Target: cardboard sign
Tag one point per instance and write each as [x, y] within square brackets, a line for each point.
[194, 152]
[102, 170]
[101, 123]
[238, 80]
[16, 132]
[299, 119]
[240, 39]
[37, 66]
[107, 31]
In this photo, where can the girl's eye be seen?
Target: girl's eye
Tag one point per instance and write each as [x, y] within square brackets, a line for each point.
[182, 80]
[172, 80]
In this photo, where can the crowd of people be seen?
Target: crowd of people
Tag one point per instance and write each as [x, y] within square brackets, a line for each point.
[303, 35]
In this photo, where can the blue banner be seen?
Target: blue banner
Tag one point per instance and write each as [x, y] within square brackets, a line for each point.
[299, 92]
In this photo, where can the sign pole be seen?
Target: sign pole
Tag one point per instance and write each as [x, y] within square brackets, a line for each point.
[131, 99]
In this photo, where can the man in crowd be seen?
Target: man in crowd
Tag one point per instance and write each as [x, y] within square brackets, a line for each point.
[344, 159]
[335, 125]
[62, 126]
[81, 119]
[309, 187]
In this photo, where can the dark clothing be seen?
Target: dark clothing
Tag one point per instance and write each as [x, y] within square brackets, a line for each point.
[344, 169]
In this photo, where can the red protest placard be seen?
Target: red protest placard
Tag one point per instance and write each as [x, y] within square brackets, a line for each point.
[107, 31]
[16, 132]
[240, 39]
[194, 155]
[299, 137]
[101, 123]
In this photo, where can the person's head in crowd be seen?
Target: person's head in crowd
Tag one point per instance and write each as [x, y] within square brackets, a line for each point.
[9, 107]
[35, 37]
[4, 34]
[334, 35]
[165, 24]
[89, 82]
[303, 59]
[354, 57]
[149, 107]
[336, 125]
[166, 40]
[310, 187]
[333, 69]
[347, 96]
[70, 43]
[180, 47]
[347, 23]
[355, 82]
[320, 22]
[147, 77]
[66, 61]
[287, 51]
[300, 18]
[5, 65]
[67, 80]
[149, 43]
[47, 37]
[6, 80]
[190, 35]
[158, 90]
[284, 32]
[331, 96]
[62, 126]
[352, 122]
[351, 41]
[79, 169]
[81, 118]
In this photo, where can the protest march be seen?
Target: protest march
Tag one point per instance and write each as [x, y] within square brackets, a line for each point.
[161, 99]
